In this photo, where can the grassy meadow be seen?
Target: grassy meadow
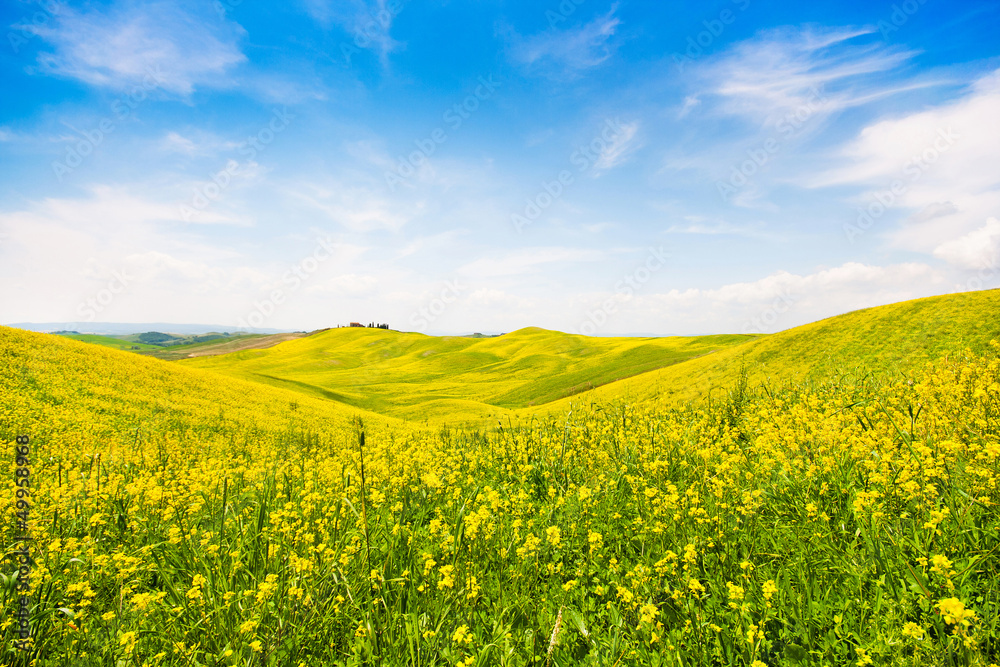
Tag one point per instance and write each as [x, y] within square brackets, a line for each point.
[420, 377]
[823, 496]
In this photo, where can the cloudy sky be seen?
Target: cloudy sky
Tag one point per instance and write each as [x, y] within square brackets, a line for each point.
[588, 166]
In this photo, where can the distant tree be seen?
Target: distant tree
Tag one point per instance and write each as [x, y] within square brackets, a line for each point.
[156, 338]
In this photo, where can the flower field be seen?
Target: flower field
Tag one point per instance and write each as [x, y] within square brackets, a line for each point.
[185, 518]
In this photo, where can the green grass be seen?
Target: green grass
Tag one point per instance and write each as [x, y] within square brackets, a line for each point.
[454, 378]
[531, 371]
[183, 517]
[216, 345]
[113, 342]
[898, 338]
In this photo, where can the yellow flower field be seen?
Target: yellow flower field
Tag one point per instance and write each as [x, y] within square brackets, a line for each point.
[184, 518]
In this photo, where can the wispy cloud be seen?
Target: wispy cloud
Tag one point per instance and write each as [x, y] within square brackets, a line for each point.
[942, 160]
[369, 22]
[355, 208]
[528, 260]
[617, 151]
[781, 70]
[568, 50]
[127, 43]
[783, 300]
[195, 143]
[700, 227]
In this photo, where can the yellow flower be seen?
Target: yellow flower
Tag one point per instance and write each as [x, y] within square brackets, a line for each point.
[462, 635]
[769, 589]
[913, 630]
[648, 613]
[256, 646]
[955, 613]
[941, 565]
[554, 535]
[447, 577]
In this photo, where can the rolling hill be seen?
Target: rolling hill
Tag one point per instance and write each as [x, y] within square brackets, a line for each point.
[251, 498]
[65, 390]
[422, 377]
[537, 371]
[898, 338]
[335, 373]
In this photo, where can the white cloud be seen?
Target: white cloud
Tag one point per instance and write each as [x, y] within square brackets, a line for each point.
[527, 261]
[690, 102]
[701, 227]
[195, 143]
[158, 44]
[354, 207]
[943, 161]
[349, 284]
[488, 298]
[976, 250]
[369, 22]
[60, 252]
[779, 301]
[619, 149]
[567, 50]
[787, 70]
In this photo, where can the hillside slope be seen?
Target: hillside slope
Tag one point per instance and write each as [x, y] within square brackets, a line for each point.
[897, 338]
[225, 346]
[415, 376]
[61, 389]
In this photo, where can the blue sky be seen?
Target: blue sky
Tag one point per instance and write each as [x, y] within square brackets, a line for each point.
[593, 167]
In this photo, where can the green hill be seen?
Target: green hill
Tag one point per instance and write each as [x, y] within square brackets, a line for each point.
[70, 389]
[115, 343]
[533, 370]
[415, 376]
[897, 338]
